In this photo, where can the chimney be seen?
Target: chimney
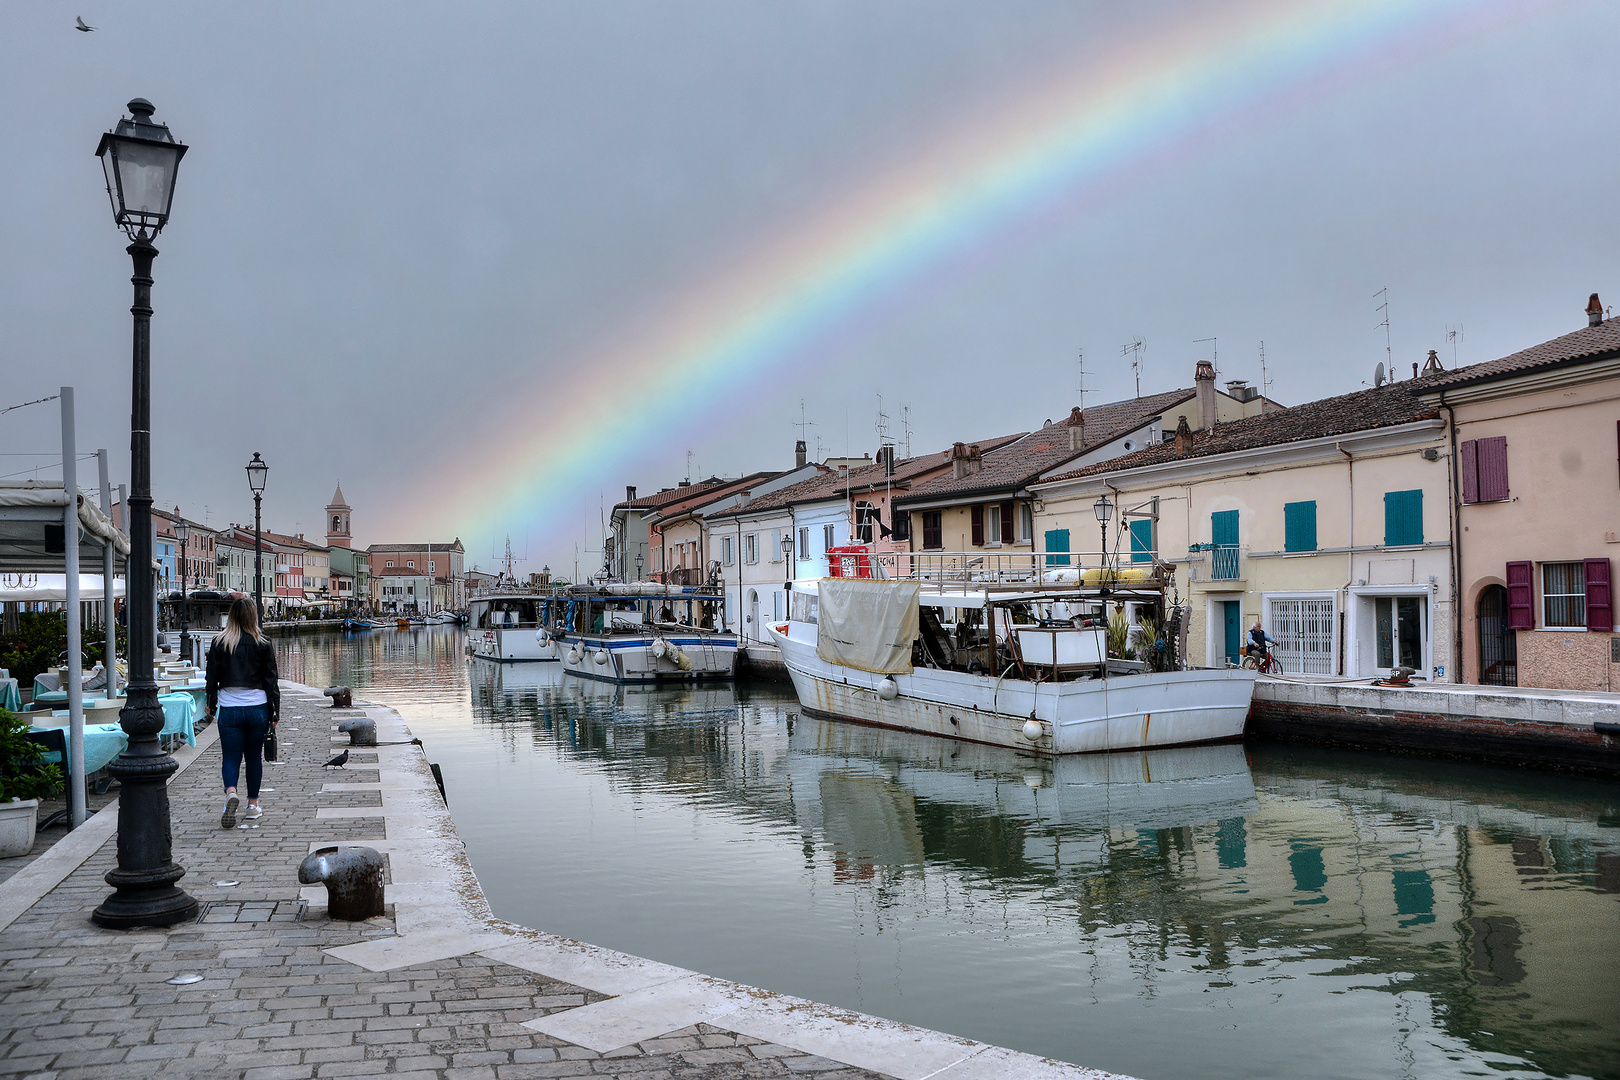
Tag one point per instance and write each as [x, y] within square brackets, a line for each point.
[684, 483]
[1204, 385]
[965, 460]
[800, 454]
[1594, 311]
[1240, 390]
[1183, 436]
[886, 454]
[629, 493]
[1076, 423]
[1433, 366]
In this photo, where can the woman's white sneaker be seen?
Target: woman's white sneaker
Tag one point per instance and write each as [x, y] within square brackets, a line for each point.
[251, 813]
[227, 820]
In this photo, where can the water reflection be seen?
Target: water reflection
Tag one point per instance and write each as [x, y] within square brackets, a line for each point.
[1223, 911]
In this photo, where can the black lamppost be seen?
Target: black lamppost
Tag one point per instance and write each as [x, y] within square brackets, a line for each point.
[787, 560]
[639, 564]
[140, 159]
[1105, 510]
[256, 470]
[182, 533]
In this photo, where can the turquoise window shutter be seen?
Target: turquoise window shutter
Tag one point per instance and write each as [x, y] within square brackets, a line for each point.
[1142, 540]
[1057, 545]
[1223, 528]
[1299, 526]
[1403, 517]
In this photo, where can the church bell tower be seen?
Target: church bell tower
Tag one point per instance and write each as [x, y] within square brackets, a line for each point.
[337, 520]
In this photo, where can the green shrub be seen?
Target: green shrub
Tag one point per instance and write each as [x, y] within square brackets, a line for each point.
[41, 639]
[24, 772]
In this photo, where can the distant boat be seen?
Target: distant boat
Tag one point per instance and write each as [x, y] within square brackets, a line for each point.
[358, 624]
[504, 626]
[629, 633]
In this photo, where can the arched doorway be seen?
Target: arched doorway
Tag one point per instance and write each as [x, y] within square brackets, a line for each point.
[1498, 645]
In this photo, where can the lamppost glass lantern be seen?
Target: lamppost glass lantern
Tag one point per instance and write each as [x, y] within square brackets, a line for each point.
[1104, 508]
[256, 470]
[141, 160]
[640, 562]
[182, 531]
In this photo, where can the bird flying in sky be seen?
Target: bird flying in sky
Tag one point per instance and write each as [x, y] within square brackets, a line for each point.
[83, 27]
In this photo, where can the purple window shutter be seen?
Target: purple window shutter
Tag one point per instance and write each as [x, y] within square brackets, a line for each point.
[1521, 596]
[1006, 523]
[1493, 472]
[1599, 596]
[1470, 471]
[978, 525]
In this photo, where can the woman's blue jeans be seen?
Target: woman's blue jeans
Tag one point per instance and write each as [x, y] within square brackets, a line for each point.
[242, 729]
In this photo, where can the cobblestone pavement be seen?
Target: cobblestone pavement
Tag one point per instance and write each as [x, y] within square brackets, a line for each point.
[78, 1001]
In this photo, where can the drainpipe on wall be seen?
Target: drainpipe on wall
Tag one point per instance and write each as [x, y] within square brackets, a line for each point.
[1456, 547]
[1349, 561]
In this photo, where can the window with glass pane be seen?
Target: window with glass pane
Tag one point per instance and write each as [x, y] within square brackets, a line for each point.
[1563, 595]
[992, 523]
[804, 543]
[1026, 523]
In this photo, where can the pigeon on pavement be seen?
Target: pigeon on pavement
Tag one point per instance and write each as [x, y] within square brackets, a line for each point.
[82, 27]
[337, 762]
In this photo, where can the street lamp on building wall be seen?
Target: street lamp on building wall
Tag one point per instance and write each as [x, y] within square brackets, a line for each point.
[787, 559]
[182, 533]
[140, 160]
[256, 470]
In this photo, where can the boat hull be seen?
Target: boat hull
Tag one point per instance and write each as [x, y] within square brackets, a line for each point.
[508, 643]
[631, 659]
[1122, 712]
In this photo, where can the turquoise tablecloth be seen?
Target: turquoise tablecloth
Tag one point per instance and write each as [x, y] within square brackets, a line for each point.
[180, 715]
[102, 743]
[10, 696]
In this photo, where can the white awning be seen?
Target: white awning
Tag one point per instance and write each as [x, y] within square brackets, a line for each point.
[47, 588]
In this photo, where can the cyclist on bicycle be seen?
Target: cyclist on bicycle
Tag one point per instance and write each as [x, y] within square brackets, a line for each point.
[1258, 642]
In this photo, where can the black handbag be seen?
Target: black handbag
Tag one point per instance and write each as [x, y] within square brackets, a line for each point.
[270, 744]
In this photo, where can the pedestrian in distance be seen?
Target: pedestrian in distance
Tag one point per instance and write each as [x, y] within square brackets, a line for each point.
[243, 690]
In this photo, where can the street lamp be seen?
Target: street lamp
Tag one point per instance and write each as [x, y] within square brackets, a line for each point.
[1105, 511]
[141, 159]
[787, 559]
[639, 563]
[256, 470]
[182, 533]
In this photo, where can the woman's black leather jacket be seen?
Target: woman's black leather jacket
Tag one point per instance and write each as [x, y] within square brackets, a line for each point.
[250, 666]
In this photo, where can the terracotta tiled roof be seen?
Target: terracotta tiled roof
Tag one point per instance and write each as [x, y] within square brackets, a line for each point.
[668, 495]
[832, 485]
[1012, 467]
[1384, 406]
[449, 548]
[1588, 343]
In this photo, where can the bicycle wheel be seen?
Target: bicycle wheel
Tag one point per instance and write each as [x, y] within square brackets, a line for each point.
[1250, 662]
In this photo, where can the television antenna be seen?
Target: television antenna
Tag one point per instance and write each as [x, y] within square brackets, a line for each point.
[1134, 350]
[882, 423]
[1389, 355]
[1080, 370]
[688, 472]
[905, 426]
[1454, 334]
[1265, 379]
[1214, 349]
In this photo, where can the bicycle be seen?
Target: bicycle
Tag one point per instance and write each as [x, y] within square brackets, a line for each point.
[1265, 665]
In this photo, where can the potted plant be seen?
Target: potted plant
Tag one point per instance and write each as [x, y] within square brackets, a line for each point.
[25, 778]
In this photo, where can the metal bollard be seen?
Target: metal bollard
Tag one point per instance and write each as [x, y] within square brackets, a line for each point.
[342, 697]
[360, 732]
[353, 879]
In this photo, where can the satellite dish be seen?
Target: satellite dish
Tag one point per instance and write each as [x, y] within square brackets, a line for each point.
[1378, 374]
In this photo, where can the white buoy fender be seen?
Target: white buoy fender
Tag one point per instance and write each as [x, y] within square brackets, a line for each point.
[574, 655]
[888, 689]
[542, 638]
[601, 656]
[1033, 730]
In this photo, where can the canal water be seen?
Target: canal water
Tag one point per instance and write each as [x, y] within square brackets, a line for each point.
[1235, 911]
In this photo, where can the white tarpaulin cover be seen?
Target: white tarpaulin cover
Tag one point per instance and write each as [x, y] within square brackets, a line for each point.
[867, 624]
[44, 588]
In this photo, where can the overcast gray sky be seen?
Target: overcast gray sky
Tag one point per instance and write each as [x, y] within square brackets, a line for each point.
[400, 222]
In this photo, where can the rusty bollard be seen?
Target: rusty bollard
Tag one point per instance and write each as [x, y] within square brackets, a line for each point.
[360, 732]
[342, 697]
[353, 878]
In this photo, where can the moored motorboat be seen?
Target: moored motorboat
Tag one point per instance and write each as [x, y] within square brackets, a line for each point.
[503, 625]
[1010, 660]
[642, 632]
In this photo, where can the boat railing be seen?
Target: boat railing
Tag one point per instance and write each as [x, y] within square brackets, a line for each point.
[1022, 569]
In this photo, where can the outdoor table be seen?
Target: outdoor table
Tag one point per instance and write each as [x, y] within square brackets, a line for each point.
[10, 696]
[102, 743]
[59, 697]
[179, 716]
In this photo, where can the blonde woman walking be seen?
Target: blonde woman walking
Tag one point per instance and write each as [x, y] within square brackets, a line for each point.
[243, 689]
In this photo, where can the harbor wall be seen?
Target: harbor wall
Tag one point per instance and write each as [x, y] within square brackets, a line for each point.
[1564, 730]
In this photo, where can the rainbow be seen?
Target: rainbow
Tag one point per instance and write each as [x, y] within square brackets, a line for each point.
[1168, 90]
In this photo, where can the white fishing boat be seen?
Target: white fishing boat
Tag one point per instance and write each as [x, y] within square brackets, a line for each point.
[642, 632]
[1011, 656]
[501, 625]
